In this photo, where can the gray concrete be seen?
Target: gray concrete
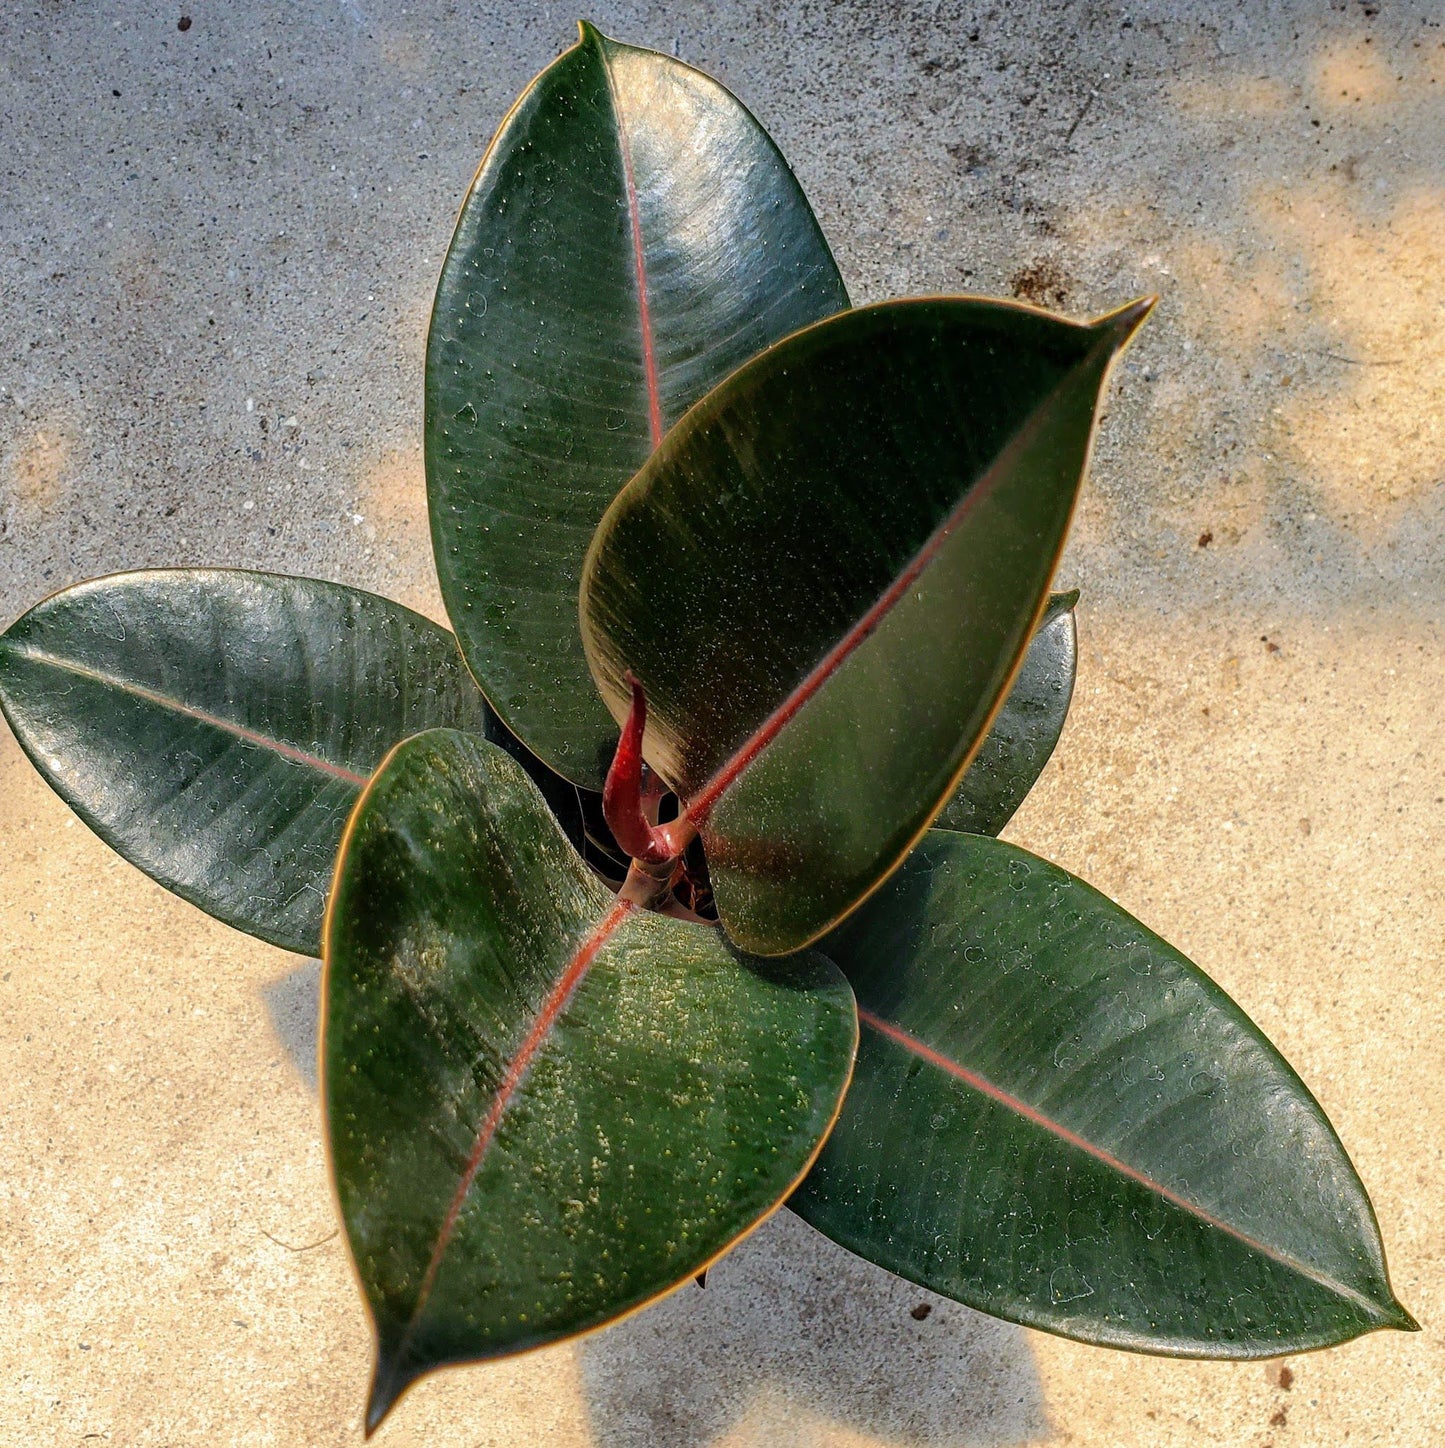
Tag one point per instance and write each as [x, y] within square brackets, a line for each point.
[215, 288]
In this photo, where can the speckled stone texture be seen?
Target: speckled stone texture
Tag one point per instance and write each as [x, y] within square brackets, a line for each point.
[217, 251]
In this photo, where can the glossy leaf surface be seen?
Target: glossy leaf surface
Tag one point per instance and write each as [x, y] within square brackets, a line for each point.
[216, 726]
[1025, 729]
[633, 236]
[1056, 1118]
[859, 529]
[545, 1107]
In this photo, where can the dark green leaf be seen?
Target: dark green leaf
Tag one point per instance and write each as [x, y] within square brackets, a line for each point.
[826, 577]
[1025, 730]
[632, 237]
[216, 726]
[1058, 1119]
[545, 1107]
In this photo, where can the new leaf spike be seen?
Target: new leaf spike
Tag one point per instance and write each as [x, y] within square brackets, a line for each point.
[623, 801]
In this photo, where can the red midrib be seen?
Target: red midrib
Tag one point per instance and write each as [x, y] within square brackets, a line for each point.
[1032, 1114]
[516, 1071]
[700, 805]
[189, 711]
[649, 350]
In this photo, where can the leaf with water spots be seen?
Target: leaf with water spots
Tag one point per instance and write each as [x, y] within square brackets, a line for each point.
[633, 236]
[545, 1107]
[859, 528]
[1056, 1118]
[216, 726]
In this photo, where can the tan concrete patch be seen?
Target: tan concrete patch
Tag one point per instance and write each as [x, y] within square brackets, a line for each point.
[35, 472]
[1376, 432]
[393, 517]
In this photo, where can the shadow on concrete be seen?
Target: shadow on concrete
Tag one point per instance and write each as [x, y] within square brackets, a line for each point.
[293, 1006]
[797, 1342]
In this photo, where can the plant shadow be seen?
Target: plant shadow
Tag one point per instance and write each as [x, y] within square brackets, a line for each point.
[796, 1342]
[293, 1006]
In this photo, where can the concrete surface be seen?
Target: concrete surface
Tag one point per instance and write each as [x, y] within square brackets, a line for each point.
[217, 249]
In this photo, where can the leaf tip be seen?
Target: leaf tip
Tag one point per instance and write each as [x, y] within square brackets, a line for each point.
[589, 34]
[1122, 323]
[1395, 1314]
[389, 1380]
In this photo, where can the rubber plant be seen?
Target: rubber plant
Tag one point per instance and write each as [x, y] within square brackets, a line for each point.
[754, 657]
